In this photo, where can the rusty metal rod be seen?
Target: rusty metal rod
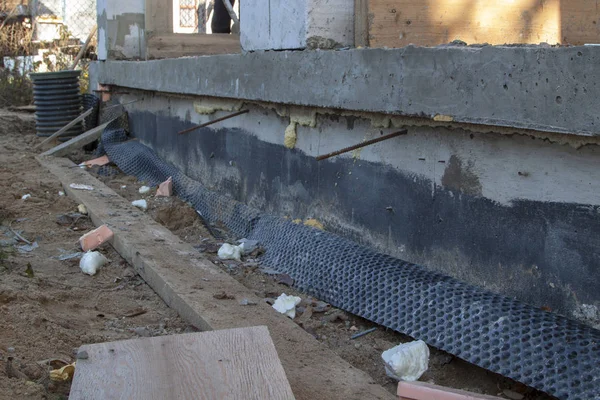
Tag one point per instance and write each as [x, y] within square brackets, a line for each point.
[214, 121]
[363, 144]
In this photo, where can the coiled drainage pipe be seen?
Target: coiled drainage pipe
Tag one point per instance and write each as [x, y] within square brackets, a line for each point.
[540, 349]
[57, 102]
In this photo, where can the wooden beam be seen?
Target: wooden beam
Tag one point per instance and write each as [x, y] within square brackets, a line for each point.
[398, 23]
[361, 23]
[227, 364]
[176, 45]
[188, 282]
[84, 47]
[77, 142]
[65, 128]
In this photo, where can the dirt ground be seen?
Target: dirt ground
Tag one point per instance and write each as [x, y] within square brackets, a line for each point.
[50, 314]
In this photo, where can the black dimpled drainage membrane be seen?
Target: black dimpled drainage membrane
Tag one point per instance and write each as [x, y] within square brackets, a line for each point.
[540, 349]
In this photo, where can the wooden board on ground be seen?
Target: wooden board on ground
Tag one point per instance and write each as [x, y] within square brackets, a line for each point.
[398, 23]
[227, 364]
[188, 282]
[173, 45]
[77, 142]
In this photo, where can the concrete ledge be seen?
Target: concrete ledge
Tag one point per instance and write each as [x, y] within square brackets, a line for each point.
[187, 283]
[530, 87]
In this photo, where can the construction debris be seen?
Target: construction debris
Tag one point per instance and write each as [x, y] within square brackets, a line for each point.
[141, 204]
[94, 239]
[144, 189]
[27, 248]
[246, 302]
[63, 374]
[80, 186]
[230, 252]
[284, 279]
[70, 256]
[100, 161]
[428, 391]
[407, 361]
[287, 305]
[223, 296]
[91, 261]
[166, 188]
[363, 333]
[248, 246]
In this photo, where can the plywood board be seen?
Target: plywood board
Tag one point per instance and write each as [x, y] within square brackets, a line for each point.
[176, 45]
[228, 364]
[398, 23]
[159, 16]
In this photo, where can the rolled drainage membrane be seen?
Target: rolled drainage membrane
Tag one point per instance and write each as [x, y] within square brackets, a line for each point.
[543, 350]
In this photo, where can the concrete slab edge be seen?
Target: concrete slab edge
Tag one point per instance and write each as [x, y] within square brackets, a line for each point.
[526, 87]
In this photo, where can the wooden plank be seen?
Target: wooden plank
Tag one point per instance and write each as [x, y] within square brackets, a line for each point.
[398, 23]
[182, 45]
[77, 142]
[361, 23]
[65, 128]
[158, 17]
[227, 364]
[187, 282]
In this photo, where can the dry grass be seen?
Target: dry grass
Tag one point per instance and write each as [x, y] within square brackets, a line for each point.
[15, 38]
[16, 41]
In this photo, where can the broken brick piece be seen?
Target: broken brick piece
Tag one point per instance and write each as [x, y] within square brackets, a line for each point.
[428, 391]
[95, 238]
[165, 188]
[97, 161]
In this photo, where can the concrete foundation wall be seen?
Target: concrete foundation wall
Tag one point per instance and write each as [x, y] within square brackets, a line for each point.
[512, 213]
[538, 88]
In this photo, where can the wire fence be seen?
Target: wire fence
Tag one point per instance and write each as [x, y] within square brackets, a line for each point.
[62, 19]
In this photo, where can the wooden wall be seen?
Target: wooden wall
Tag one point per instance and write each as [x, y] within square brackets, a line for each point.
[398, 23]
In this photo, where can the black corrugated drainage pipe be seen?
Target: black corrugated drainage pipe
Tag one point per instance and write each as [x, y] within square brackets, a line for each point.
[57, 102]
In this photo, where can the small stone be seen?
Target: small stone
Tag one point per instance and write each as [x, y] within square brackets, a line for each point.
[357, 345]
[82, 355]
[141, 331]
[336, 316]
[353, 328]
[10, 349]
[222, 295]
